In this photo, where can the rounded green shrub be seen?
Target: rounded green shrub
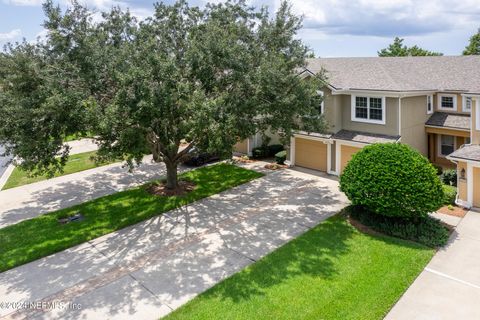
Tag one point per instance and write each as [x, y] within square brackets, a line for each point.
[280, 157]
[392, 179]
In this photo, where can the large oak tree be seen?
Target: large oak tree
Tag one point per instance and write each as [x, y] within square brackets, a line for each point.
[206, 77]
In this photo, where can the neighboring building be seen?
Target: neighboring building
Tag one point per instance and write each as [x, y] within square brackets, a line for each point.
[426, 102]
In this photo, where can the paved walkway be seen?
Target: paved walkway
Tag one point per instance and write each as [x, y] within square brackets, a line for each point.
[449, 287]
[147, 270]
[31, 200]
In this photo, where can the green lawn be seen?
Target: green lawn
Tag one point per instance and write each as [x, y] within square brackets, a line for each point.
[43, 235]
[76, 163]
[331, 272]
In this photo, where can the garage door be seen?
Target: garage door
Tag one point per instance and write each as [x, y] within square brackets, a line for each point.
[476, 187]
[346, 153]
[311, 154]
[241, 147]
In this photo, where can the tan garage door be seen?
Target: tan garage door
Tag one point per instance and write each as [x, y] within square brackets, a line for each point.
[241, 147]
[311, 154]
[346, 153]
[476, 187]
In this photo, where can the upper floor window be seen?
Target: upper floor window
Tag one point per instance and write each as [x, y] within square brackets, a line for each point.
[368, 109]
[429, 104]
[467, 104]
[447, 102]
[321, 107]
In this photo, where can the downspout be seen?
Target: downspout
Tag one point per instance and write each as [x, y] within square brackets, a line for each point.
[400, 118]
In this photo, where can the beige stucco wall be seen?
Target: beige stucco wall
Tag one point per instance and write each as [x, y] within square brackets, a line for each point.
[475, 132]
[414, 116]
[461, 183]
[332, 111]
[391, 114]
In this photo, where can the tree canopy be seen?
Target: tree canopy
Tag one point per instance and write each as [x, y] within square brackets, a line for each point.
[398, 49]
[203, 76]
[473, 47]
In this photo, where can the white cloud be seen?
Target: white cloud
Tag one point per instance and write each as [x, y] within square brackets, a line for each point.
[385, 18]
[15, 33]
[24, 2]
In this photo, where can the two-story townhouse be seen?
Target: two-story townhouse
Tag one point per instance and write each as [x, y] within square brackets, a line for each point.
[425, 102]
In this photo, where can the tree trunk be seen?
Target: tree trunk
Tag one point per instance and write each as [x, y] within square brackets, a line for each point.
[172, 177]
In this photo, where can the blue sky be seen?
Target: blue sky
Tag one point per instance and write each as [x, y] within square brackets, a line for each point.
[332, 28]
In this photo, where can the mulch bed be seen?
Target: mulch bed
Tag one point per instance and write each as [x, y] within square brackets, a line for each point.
[456, 212]
[160, 189]
[275, 166]
[243, 160]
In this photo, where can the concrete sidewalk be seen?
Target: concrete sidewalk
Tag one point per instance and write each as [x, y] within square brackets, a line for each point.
[34, 199]
[147, 270]
[449, 287]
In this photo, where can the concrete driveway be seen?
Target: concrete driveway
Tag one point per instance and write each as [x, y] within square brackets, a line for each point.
[147, 270]
[449, 287]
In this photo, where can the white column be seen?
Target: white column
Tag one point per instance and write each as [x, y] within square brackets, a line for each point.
[291, 161]
[469, 184]
[338, 146]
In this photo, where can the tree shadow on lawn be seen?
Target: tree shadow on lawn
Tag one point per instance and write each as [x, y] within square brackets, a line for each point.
[312, 254]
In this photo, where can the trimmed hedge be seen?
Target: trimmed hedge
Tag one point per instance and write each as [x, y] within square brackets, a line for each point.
[449, 194]
[280, 157]
[392, 179]
[425, 230]
[266, 151]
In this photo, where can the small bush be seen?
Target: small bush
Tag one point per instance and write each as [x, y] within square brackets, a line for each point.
[260, 152]
[449, 177]
[392, 179]
[266, 151]
[273, 149]
[449, 194]
[438, 168]
[280, 157]
[425, 230]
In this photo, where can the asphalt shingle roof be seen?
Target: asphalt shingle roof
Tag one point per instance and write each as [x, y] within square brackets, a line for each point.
[438, 73]
[364, 137]
[449, 120]
[467, 152]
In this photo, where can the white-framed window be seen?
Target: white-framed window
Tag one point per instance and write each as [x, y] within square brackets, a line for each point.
[446, 145]
[429, 104]
[467, 104]
[370, 109]
[321, 107]
[447, 102]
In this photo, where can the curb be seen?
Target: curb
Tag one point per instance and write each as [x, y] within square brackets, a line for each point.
[6, 175]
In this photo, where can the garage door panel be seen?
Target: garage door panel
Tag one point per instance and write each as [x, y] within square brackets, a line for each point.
[311, 154]
[346, 153]
[241, 146]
